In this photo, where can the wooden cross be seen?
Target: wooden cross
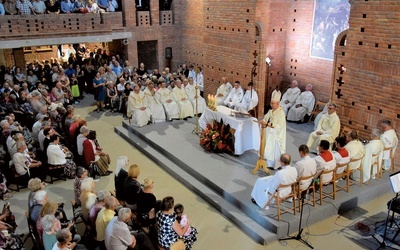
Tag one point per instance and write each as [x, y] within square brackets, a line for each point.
[338, 94]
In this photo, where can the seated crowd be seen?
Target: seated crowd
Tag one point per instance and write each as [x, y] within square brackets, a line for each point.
[132, 218]
[42, 136]
[39, 7]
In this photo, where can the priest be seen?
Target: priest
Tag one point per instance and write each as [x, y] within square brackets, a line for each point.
[157, 110]
[304, 105]
[328, 129]
[275, 134]
[165, 97]
[137, 107]
[191, 94]
[185, 106]
[249, 100]
[223, 91]
[290, 96]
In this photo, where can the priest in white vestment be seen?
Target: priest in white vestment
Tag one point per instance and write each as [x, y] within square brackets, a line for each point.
[235, 96]
[275, 134]
[327, 129]
[290, 96]
[319, 116]
[265, 187]
[389, 139]
[185, 106]
[374, 146]
[137, 108]
[356, 150]
[165, 97]
[157, 109]
[191, 94]
[305, 167]
[304, 105]
[249, 100]
[223, 91]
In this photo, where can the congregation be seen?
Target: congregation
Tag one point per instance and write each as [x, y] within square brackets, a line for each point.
[39, 7]
[43, 138]
[336, 153]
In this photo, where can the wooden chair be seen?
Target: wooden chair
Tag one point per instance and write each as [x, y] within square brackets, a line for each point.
[323, 183]
[344, 173]
[357, 161]
[77, 213]
[254, 111]
[391, 150]
[279, 199]
[55, 172]
[310, 187]
[32, 233]
[319, 106]
[16, 180]
[374, 162]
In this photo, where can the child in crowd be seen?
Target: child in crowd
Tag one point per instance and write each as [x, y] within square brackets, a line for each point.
[190, 235]
[181, 217]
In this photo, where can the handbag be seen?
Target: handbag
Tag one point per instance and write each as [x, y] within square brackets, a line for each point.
[94, 171]
[75, 90]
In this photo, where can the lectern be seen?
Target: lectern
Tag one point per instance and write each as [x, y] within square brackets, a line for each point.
[261, 163]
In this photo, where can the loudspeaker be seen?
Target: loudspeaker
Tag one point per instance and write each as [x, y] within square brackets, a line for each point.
[168, 52]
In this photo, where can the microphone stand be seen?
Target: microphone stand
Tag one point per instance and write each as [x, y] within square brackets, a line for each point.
[382, 245]
[298, 236]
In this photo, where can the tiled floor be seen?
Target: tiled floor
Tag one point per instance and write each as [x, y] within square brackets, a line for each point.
[215, 231]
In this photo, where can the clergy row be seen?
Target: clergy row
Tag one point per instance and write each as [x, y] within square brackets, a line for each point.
[296, 104]
[235, 97]
[156, 105]
[328, 129]
[346, 148]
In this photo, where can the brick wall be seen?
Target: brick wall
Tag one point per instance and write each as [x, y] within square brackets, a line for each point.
[368, 90]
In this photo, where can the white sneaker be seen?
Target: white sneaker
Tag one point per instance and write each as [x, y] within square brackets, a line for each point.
[290, 200]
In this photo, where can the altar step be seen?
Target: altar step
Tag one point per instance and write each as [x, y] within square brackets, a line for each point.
[234, 214]
[225, 182]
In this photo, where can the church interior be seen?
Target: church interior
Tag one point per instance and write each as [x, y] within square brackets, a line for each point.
[347, 49]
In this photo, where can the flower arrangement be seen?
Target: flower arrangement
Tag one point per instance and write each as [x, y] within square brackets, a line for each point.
[218, 137]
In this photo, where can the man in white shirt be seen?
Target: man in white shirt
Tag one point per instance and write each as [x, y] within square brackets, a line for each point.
[305, 167]
[265, 187]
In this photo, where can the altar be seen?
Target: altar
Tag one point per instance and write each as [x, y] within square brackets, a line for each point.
[247, 135]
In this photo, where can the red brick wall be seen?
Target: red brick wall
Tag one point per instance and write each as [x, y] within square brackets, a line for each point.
[221, 36]
[370, 86]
